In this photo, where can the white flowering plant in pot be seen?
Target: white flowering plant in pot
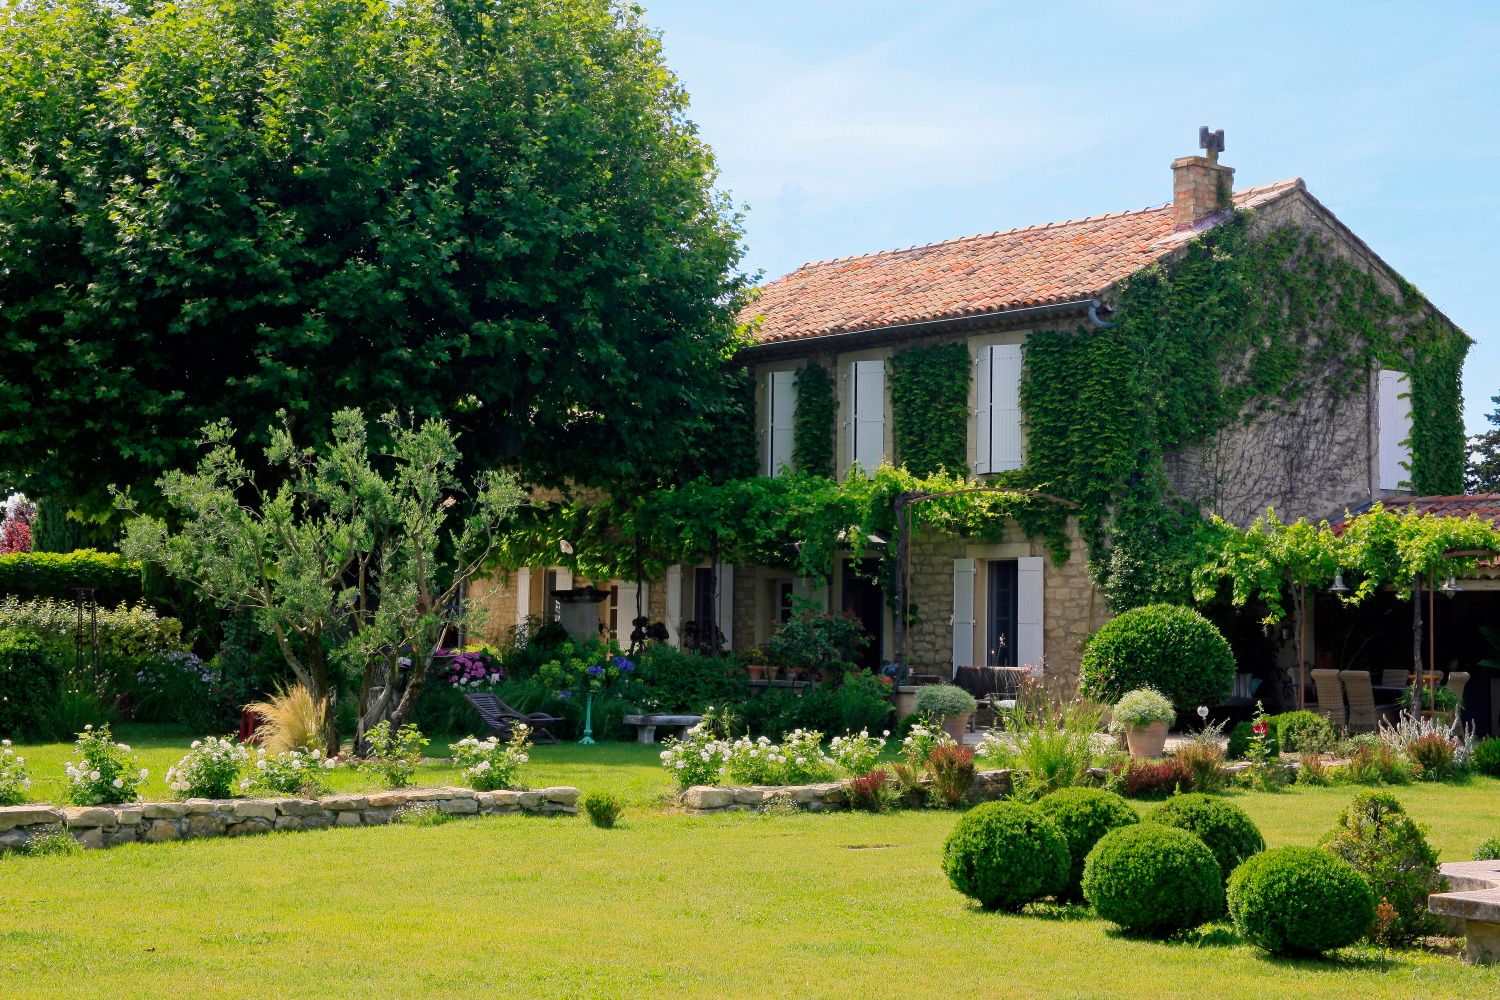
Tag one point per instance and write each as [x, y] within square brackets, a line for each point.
[291, 772]
[489, 765]
[212, 769]
[102, 772]
[15, 782]
[857, 753]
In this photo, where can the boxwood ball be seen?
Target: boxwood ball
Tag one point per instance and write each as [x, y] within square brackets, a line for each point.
[1005, 855]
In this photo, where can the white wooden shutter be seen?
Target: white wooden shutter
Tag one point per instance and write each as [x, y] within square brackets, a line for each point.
[624, 610]
[724, 613]
[1394, 416]
[1005, 407]
[963, 613]
[1030, 634]
[523, 595]
[982, 412]
[562, 579]
[781, 408]
[867, 433]
[674, 605]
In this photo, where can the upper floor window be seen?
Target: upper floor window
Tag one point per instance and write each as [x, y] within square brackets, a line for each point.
[998, 420]
[867, 413]
[1393, 414]
[780, 411]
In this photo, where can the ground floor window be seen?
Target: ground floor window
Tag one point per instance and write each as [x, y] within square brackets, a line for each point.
[1002, 612]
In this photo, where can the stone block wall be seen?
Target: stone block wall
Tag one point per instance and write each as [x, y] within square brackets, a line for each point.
[823, 797]
[153, 822]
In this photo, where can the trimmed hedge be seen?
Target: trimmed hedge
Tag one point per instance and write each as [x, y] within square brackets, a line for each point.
[28, 685]
[1083, 815]
[1153, 879]
[60, 574]
[1175, 650]
[1487, 757]
[1229, 833]
[1300, 900]
[1005, 855]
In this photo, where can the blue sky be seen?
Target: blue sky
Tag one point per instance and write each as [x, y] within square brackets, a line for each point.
[847, 127]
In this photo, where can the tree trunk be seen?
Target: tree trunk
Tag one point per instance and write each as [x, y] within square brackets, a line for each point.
[1416, 638]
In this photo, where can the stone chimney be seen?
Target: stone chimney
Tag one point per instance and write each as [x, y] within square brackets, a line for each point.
[1200, 184]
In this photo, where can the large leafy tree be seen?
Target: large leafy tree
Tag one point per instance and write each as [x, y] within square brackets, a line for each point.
[491, 210]
[1483, 473]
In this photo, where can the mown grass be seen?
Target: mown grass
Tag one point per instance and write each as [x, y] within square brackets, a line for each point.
[739, 905]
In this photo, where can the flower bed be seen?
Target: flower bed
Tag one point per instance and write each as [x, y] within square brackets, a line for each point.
[106, 826]
[820, 797]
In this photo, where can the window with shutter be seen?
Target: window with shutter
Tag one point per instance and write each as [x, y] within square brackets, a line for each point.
[963, 613]
[998, 417]
[781, 409]
[1394, 418]
[867, 411]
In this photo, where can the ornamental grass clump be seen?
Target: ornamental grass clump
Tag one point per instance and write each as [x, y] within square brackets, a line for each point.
[211, 769]
[291, 772]
[1390, 850]
[952, 771]
[489, 765]
[290, 719]
[856, 754]
[102, 772]
[1049, 747]
[1488, 850]
[1004, 855]
[1227, 830]
[1083, 815]
[15, 782]
[1153, 880]
[1300, 901]
[394, 756]
[870, 792]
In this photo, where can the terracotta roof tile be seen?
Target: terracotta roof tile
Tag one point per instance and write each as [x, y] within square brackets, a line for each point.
[973, 275]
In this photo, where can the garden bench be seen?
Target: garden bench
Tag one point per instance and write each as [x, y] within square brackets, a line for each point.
[645, 725]
[1473, 904]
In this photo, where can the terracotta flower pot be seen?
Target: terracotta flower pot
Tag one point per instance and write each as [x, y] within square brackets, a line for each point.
[757, 671]
[957, 725]
[1146, 741]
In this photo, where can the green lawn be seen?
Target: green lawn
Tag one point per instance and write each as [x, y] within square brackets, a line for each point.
[740, 905]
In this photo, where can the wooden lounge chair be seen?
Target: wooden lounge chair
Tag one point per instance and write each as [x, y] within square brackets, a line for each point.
[1330, 698]
[1393, 677]
[1364, 716]
[501, 718]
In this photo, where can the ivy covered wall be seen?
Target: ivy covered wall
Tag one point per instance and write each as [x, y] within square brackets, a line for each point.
[813, 421]
[930, 408]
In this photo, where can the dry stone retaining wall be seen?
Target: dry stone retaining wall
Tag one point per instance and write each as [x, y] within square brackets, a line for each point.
[105, 826]
[812, 798]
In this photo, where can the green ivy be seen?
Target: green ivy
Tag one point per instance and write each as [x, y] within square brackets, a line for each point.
[813, 421]
[930, 408]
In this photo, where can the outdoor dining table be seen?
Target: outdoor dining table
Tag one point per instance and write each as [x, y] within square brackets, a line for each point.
[1387, 694]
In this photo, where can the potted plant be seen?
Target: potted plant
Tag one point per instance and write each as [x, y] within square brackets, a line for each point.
[1434, 703]
[810, 643]
[755, 663]
[950, 704]
[1145, 714]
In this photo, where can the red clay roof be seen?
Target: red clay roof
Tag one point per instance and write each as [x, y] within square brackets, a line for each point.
[1486, 505]
[974, 275]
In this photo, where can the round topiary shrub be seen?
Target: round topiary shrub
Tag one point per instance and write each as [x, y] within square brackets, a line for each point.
[1300, 900]
[1486, 758]
[1005, 855]
[1229, 833]
[1174, 650]
[1153, 879]
[28, 682]
[1083, 815]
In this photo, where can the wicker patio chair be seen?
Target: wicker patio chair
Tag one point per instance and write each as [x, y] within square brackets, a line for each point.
[1330, 698]
[1364, 714]
[1393, 677]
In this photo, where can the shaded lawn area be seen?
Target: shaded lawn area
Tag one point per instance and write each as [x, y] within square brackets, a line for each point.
[741, 905]
[737, 905]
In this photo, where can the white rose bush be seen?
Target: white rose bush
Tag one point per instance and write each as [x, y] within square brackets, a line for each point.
[102, 772]
[212, 769]
[857, 753]
[702, 758]
[924, 738]
[15, 783]
[291, 772]
[489, 765]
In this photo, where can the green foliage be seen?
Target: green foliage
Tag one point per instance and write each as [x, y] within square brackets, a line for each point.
[862, 703]
[676, 680]
[60, 574]
[476, 210]
[1152, 879]
[1488, 850]
[1302, 732]
[1389, 849]
[394, 754]
[952, 771]
[813, 423]
[603, 809]
[1175, 650]
[1486, 758]
[48, 845]
[352, 558]
[943, 700]
[1142, 707]
[930, 408]
[102, 772]
[812, 641]
[125, 630]
[1005, 855]
[28, 680]
[1083, 815]
[1483, 473]
[1300, 900]
[1374, 762]
[1229, 833]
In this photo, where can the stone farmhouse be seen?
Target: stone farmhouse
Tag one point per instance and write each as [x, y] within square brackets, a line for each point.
[1336, 434]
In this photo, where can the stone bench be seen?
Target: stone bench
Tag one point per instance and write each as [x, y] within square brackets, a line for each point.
[1473, 904]
[645, 725]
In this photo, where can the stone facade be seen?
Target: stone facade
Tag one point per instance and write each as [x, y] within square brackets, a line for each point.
[153, 822]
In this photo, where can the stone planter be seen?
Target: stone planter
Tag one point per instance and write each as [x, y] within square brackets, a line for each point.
[1146, 741]
[957, 725]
